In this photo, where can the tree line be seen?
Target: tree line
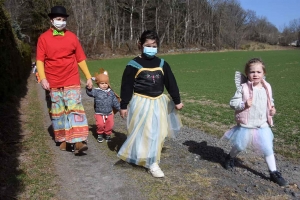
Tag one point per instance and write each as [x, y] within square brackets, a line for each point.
[115, 25]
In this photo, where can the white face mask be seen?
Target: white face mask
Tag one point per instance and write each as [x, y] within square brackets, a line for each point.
[59, 25]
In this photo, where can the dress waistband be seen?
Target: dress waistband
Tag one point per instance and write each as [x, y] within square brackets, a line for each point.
[148, 97]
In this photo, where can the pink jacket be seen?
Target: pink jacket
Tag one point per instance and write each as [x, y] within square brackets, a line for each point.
[241, 116]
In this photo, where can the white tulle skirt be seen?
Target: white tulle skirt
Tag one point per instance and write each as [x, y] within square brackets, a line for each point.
[149, 122]
[258, 139]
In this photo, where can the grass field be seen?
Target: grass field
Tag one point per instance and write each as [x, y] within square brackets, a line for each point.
[206, 83]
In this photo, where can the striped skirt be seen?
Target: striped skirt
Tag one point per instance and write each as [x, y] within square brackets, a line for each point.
[67, 114]
[149, 122]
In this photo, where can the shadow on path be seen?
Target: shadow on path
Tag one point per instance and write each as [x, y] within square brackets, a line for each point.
[216, 155]
[11, 137]
[116, 142]
[209, 153]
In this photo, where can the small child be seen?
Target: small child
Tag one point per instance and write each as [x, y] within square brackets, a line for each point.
[34, 71]
[254, 108]
[105, 104]
[33, 66]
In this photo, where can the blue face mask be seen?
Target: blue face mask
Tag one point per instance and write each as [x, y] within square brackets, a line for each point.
[150, 51]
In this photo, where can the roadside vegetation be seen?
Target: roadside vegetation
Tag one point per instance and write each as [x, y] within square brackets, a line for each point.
[36, 157]
[27, 171]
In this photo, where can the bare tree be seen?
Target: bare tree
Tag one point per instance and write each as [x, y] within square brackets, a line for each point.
[186, 21]
[132, 6]
[144, 3]
[235, 24]
[295, 28]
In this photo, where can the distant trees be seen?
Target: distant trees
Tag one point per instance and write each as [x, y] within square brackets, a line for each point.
[263, 31]
[291, 33]
[115, 25]
[233, 23]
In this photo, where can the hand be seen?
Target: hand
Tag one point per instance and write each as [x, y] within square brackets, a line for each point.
[89, 84]
[272, 111]
[248, 103]
[123, 113]
[45, 84]
[179, 106]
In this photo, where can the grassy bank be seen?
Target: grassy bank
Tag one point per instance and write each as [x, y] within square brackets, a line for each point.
[206, 82]
[37, 167]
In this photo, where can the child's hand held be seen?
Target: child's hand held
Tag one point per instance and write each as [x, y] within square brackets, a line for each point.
[89, 83]
[123, 113]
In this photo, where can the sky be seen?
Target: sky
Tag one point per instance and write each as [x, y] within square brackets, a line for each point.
[278, 12]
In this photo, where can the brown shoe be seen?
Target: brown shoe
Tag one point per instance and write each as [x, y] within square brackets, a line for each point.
[80, 147]
[63, 146]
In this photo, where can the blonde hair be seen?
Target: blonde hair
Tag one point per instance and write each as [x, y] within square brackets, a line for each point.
[254, 61]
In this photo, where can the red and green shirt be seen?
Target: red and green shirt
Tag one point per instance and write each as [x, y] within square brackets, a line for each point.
[61, 55]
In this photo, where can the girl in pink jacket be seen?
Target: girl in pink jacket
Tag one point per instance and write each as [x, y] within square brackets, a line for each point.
[254, 108]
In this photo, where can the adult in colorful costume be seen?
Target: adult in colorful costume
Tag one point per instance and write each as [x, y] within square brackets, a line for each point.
[59, 53]
[151, 114]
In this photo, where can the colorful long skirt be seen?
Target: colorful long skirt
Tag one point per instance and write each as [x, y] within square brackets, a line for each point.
[259, 140]
[149, 122]
[67, 114]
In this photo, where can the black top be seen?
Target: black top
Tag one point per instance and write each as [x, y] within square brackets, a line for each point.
[129, 83]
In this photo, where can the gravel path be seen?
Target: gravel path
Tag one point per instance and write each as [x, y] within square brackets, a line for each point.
[192, 164]
[89, 176]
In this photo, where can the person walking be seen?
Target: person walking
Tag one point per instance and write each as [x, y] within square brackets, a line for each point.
[35, 72]
[59, 53]
[151, 115]
[106, 104]
[254, 110]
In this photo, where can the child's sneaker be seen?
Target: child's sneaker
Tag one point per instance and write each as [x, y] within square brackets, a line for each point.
[72, 147]
[156, 171]
[276, 177]
[108, 138]
[100, 138]
[229, 162]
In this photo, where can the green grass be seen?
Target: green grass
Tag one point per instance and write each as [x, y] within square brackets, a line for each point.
[37, 164]
[206, 83]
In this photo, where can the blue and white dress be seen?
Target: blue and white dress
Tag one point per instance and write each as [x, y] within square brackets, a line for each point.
[151, 118]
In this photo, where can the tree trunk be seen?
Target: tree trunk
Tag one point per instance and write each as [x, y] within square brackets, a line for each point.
[144, 3]
[131, 20]
[187, 21]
